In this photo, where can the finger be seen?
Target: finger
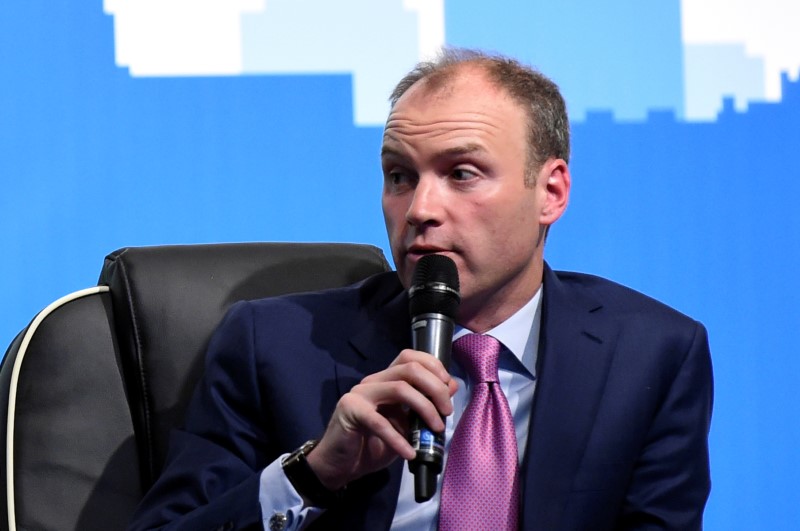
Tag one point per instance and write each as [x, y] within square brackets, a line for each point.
[452, 385]
[358, 414]
[397, 416]
[400, 392]
[387, 432]
[430, 362]
[418, 376]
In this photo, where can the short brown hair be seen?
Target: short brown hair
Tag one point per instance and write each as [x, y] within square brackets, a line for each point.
[548, 125]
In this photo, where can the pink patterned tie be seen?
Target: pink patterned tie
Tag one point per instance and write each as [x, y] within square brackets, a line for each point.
[480, 489]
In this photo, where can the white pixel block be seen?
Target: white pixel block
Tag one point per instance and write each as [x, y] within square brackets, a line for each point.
[376, 41]
[768, 29]
[179, 37]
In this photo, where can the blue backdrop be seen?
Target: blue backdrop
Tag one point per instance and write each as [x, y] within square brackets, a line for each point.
[700, 214]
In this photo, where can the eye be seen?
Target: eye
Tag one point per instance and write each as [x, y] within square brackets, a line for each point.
[398, 180]
[463, 174]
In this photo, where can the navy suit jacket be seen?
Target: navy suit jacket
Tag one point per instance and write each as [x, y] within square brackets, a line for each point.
[619, 425]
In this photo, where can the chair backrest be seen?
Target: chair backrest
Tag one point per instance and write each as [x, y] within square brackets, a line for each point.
[93, 385]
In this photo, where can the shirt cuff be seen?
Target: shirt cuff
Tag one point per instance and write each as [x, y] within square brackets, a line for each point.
[282, 506]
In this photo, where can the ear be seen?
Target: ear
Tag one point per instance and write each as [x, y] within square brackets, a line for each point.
[555, 181]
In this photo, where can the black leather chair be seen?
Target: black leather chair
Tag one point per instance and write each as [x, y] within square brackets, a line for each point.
[92, 386]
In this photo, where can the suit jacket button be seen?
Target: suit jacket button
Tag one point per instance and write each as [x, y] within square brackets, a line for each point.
[277, 522]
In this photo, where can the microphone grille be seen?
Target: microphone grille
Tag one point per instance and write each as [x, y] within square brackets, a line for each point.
[434, 287]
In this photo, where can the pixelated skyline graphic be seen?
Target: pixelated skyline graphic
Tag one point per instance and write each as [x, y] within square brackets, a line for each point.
[712, 50]
[160, 38]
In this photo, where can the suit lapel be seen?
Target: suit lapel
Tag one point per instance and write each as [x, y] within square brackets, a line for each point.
[575, 352]
[385, 333]
[382, 334]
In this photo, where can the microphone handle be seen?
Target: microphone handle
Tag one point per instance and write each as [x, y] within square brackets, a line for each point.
[431, 333]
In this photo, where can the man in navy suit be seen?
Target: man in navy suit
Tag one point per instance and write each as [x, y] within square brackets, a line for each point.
[301, 419]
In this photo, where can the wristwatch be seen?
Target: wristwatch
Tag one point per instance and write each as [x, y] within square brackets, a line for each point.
[305, 481]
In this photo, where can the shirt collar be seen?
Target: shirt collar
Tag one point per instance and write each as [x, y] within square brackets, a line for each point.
[519, 333]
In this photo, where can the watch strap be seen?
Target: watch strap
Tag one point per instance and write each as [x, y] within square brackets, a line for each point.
[305, 481]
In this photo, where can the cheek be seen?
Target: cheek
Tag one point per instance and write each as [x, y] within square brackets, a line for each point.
[507, 233]
[395, 224]
[389, 215]
[394, 227]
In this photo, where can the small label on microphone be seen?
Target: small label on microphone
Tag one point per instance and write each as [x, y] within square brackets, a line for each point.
[427, 443]
[422, 323]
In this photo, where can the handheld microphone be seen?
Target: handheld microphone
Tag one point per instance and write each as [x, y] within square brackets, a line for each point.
[433, 301]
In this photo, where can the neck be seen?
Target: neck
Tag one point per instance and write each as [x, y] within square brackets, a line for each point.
[480, 314]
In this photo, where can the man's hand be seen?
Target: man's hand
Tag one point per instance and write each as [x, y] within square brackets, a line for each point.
[369, 427]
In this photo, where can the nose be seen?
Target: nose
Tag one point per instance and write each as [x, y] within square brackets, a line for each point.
[427, 205]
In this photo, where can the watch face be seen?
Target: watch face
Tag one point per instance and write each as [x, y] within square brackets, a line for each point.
[277, 522]
[300, 452]
[308, 446]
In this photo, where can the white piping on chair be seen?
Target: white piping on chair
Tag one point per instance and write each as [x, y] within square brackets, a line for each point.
[12, 392]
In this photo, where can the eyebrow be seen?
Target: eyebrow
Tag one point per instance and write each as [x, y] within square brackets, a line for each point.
[466, 149]
[449, 152]
[387, 151]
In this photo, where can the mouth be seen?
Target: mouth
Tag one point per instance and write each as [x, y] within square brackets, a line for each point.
[415, 252]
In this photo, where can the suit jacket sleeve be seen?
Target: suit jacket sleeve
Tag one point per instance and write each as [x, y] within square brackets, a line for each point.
[211, 479]
[671, 479]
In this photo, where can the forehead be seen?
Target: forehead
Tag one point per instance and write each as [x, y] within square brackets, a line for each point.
[461, 87]
[464, 101]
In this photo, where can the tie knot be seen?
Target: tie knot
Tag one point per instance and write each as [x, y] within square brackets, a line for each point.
[478, 355]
